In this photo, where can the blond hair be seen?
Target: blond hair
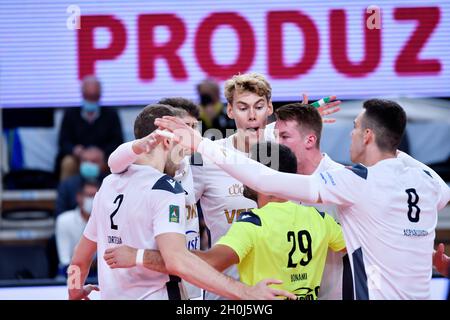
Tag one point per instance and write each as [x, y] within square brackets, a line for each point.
[252, 82]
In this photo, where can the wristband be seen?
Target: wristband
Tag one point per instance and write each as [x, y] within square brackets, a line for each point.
[140, 257]
[321, 102]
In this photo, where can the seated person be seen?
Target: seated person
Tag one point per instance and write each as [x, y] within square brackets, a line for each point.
[92, 168]
[280, 240]
[89, 125]
[70, 224]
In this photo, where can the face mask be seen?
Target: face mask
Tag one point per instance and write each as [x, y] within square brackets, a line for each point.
[89, 170]
[205, 99]
[90, 106]
[88, 203]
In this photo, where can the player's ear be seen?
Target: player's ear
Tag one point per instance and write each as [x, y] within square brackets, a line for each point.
[270, 107]
[368, 136]
[230, 111]
[310, 141]
[166, 143]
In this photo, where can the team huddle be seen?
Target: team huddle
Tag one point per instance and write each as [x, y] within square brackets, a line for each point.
[285, 220]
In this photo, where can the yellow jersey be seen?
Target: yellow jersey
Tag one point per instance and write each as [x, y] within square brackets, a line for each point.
[285, 241]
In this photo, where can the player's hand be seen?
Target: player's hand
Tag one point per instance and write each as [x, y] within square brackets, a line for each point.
[327, 109]
[262, 291]
[184, 135]
[146, 144]
[441, 261]
[120, 257]
[83, 293]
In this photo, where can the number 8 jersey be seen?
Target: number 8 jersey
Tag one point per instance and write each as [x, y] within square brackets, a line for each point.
[388, 214]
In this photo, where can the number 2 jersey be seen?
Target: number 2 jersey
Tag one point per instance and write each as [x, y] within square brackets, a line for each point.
[133, 208]
[388, 213]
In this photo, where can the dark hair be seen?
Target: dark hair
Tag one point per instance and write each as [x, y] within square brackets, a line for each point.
[181, 103]
[85, 183]
[274, 155]
[145, 121]
[305, 115]
[387, 120]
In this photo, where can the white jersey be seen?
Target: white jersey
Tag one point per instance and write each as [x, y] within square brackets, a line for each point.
[331, 284]
[132, 208]
[184, 176]
[124, 156]
[388, 214]
[221, 198]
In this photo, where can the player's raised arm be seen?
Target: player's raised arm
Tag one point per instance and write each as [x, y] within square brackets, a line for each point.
[127, 153]
[325, 106]
[251, 173]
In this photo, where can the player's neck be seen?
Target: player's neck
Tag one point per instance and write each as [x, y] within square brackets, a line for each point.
[309, 164]
[263, 200]
[154, 159]
[375, 155]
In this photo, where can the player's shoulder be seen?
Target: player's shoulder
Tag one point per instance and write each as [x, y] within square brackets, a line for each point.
[354, 174]
[169, 184]
[359, 170]
[250, 217]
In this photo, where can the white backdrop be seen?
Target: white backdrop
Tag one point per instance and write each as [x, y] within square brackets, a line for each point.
[40, 57]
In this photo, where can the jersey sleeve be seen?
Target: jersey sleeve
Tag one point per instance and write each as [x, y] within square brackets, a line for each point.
[240, 237]
[342, 186]
[336, 240]
[168, 213]
[90, 231]
[122, 158]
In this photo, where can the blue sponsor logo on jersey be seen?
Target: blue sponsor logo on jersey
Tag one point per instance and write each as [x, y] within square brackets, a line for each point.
[331, 179]
[193, 240]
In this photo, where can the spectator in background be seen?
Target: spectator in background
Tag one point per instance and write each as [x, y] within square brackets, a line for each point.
[88, 125]
[70, 224]
[213, 114]
[92, 168]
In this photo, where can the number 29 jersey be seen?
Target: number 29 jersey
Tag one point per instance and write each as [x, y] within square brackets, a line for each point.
[132, 208]
[284, 241]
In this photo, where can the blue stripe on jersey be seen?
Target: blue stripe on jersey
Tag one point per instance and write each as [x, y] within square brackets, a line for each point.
[362, 291]
[173, 289]
[428, 173]
[322, 214]
[359, 170]
[167, 183]
[196, 159]
[249, 217]
[347, 279]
